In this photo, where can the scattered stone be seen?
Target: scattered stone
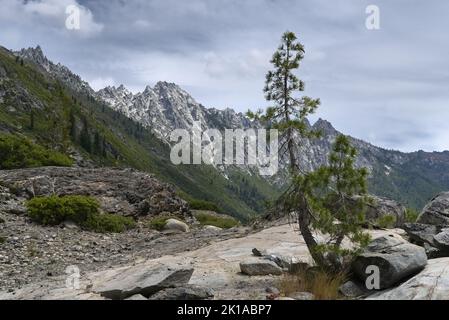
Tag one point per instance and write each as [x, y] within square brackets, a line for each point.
[351, 289]
[176, 225]
[257, 253]
[302, 296]
[260, 268]
[188, 292]
[395, 258]
[70, 225]
[212, 229]
[272, 290]
[137, 297]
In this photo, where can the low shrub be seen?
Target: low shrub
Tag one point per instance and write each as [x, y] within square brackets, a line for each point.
[210, 219]
[19, 152]
[109, 223]
[82, 210]
[2, 240]
[411, 215]
[387, 221]
[54, 210]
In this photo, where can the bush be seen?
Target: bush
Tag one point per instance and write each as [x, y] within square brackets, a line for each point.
[203, 205]
[2, 240]
[82, 210]
[54, 210]
[109, 223]
[18, 152]
[387, 221]
[205, 218]
[411, 215]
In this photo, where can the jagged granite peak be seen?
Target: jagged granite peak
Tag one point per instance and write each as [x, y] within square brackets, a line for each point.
[325, 127]
[59, 71]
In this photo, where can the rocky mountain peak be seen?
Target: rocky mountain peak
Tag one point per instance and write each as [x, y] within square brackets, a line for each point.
[36, 55]
[324, 126]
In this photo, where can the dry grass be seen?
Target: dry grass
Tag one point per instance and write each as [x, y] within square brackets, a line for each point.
[324, 286]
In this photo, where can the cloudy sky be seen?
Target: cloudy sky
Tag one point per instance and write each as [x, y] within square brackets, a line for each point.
[388, 86]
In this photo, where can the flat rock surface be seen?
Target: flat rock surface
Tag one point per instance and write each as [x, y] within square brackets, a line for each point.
[216, 266]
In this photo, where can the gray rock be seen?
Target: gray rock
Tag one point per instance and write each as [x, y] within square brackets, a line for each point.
[125, 282]
[430, 284]
[137, 297]
[188, 292]
[436, 212]
[302, 296]
[380, 207]
[257, 267]
[421, 233]
[351, 289]
[272, 290]
[395, 258]
[212, 229]
[257, 253]
[173, 224]
[441, 241]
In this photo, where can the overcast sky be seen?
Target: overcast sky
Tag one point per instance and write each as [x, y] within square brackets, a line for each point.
[388, 86]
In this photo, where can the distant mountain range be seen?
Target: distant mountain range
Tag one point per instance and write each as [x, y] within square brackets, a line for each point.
[134, 130]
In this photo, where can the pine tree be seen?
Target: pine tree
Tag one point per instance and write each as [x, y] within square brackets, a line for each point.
[335, 195]
[289, 115]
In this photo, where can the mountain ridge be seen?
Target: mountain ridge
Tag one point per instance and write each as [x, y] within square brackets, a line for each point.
[411, 178]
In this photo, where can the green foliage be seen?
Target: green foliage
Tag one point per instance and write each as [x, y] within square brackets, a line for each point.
[82, 210]
[2, 240]
[109, 223]
[54, 210]
[203, 205]
[411, 215]
[210, 219]
[386, 221]
[328, 195]
[158, 223]
[20, 152]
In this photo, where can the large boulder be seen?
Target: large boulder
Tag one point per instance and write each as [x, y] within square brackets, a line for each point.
[145, 280]
[379, 207]
[176, 225]
[430, 284]
[436, 212]
[396, 259]
[260, 267]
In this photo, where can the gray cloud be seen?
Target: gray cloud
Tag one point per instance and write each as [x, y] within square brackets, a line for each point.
[387, 86]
